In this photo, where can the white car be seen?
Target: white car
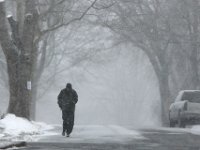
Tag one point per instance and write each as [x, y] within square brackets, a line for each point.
[186, 109]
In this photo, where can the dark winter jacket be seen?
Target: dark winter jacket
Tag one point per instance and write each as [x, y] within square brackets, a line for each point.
[67, 99]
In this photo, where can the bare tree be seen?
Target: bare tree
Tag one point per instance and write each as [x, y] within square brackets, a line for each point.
[185, 24]
[164, 31]
[145, 25]
[21, 49]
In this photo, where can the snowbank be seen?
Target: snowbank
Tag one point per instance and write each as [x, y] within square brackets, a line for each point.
[12, 145]
[195, 129]
[14, 125]
[20, 128]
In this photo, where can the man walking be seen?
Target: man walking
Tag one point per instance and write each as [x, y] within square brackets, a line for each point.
[66, 101]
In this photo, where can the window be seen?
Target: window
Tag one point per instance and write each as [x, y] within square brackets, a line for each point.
[193, 96]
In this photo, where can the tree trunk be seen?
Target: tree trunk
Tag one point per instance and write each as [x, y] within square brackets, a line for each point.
[161, 70]
[38, 67]
[18, 53]
[16, 104]
[165, 99]
[34, 99]
[194, 46]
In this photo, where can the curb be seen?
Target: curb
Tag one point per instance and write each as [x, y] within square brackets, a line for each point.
[13, 144]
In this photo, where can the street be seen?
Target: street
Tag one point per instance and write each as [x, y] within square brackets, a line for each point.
[152, 139]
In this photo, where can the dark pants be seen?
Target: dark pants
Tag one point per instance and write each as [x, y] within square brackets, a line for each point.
[68, 119]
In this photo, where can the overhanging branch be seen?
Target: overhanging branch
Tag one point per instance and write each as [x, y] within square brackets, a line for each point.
[71, 21]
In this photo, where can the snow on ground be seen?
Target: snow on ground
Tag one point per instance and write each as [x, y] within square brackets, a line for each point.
[95, 134]
[16, 128]
[195, 129]
[103, 131]
[123, 131]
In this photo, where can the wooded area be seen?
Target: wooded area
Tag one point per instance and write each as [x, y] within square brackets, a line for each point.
[167, 32]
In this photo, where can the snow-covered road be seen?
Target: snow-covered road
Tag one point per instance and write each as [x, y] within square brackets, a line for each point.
[100, 137]
[92, 134]
[118, 138]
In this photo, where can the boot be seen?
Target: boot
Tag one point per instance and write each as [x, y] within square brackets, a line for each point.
[63, 133]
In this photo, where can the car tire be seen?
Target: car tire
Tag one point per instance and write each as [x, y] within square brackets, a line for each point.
[172, 123]
[181, 123]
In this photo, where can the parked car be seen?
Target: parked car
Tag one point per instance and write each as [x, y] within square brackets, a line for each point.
[1, 114]
[186, 109]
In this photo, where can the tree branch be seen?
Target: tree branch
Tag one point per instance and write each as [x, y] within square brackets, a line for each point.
[15, 33]
[103, 7]
[71, 21]
[5, 40]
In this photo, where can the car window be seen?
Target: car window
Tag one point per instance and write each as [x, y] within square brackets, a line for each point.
[191, 97]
